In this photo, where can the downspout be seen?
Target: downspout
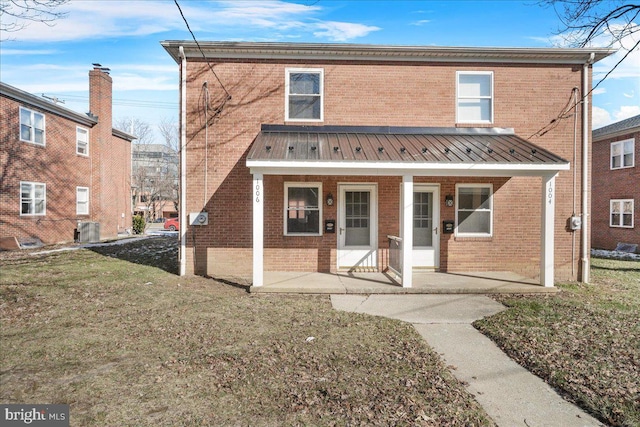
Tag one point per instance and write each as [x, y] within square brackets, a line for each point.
[183, 162]
[585, 168]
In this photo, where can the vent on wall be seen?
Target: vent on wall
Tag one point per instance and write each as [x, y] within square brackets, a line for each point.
[88, 232]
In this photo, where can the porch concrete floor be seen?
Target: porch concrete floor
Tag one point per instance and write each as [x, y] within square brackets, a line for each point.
[383, 283]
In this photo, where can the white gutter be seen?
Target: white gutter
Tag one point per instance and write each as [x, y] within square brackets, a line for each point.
[586, 89]
[183, 163]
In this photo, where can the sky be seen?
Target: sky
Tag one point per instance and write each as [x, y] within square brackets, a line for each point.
[125, 36]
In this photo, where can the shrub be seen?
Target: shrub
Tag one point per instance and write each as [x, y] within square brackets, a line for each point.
[138, 224]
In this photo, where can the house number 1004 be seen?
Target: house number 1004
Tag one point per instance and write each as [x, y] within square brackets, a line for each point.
[257, 193]
[550, 195]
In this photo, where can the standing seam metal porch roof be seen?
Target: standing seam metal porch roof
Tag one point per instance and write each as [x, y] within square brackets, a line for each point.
[279, 145]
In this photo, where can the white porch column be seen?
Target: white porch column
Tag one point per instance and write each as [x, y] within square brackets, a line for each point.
[258, 229]
[547, 231]
[407, 231]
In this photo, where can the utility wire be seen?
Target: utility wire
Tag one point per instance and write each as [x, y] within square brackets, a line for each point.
[564, 113]
[201, 51]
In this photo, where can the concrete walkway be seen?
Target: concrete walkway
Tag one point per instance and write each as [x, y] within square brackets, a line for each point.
[510, 394]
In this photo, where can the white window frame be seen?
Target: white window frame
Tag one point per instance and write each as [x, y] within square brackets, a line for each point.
[287, 81]
[490, 210]
[79, 203]
[32, 197]
[622, 153]
[620, 203]
[78, 141]
[32, 115]
[459, 97]
[318, 186]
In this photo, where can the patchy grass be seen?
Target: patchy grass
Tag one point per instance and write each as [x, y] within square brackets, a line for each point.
[584, 341]
[130, 344]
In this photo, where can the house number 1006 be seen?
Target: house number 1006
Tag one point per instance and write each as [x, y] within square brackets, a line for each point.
[257, 193]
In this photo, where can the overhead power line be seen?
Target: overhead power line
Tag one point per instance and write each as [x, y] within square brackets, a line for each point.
[201, 51]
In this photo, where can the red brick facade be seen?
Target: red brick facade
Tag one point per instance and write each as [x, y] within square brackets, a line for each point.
[105, 171]
[614, 184]
[527, 96]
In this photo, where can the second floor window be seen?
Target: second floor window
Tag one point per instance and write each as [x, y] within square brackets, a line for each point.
[622, 154]
[31, 126]
[82, 141]
[304, 95]
[475, 97]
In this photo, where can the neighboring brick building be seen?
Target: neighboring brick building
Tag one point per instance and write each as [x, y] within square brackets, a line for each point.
[62, 171]
[615, 186]
[305, 153]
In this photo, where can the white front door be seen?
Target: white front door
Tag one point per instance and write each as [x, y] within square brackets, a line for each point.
[426, 219]
[358, 226]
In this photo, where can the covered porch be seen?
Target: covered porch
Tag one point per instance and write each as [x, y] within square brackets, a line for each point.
[498, 282]
[407, 154]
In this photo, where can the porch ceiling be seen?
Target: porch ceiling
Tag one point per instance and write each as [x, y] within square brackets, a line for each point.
[351, 150]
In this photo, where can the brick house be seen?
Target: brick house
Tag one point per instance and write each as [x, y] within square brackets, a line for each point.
[326, 158]
[616, 185]
[62, 171]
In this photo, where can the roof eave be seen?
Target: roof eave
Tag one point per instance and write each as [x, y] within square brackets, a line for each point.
[27, 98]
[358, 52]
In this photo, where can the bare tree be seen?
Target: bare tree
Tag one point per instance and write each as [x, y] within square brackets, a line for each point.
[154, 168]
[16, 14]
[587, 22]
[168, 129]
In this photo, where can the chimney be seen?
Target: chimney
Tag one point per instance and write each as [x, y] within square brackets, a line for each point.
[100, 92]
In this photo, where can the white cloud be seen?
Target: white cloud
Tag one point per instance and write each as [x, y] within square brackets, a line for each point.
[599, 91]
[342, 31]
[600, 117]
[23, 52]
[88, 20]
[626, 111]
[629, 95]
[421, 22]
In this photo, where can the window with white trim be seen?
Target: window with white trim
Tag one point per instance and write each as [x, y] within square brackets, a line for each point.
[32, 126]
[304, 94]
[474, 91]
[622, 154]
[33, 198]
[621, 213]
[474, 210]
[302, 208]
[82, 141]
[82, 200]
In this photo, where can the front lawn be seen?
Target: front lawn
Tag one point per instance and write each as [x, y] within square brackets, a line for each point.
[584, 341]
[124, 343]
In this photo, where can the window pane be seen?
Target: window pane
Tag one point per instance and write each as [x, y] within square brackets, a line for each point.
[474, 222]
[305, 197]
[473, 198]
[25, 133]
[39, 136]
[474, 110]
[39, 121]
[25, 191]
[615, 162]
[39, 191]
[616, 149]
[39, 208]
[627, 207]
[25, 208]
[25, 117]
[628, 160]
[304, 83]
[627, 220]
[615, 207]
[304, 107]
[474, 85]
[615, 219]
[628, 146]
[309, 223]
